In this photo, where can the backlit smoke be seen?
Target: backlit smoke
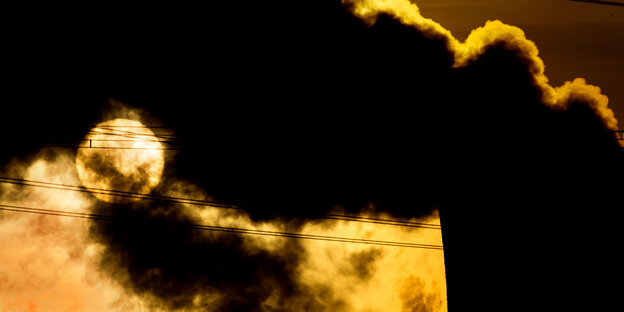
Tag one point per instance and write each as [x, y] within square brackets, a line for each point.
[493, 33]
[369, 138]
[67, 264]
[49, 263]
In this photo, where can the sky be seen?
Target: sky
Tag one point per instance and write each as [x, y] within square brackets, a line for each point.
[355, 155]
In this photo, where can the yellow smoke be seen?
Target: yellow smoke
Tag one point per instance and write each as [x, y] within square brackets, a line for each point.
[493, 32]
[49, 263]
[392, 270]
[395, 273]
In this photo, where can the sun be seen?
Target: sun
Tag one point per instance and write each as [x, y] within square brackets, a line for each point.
[121, 155]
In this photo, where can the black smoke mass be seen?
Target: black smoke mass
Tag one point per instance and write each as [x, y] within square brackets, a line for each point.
[361, 264]
[291, 110]
[154, 253]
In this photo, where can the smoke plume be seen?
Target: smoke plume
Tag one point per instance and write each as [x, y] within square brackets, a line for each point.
[293, 112]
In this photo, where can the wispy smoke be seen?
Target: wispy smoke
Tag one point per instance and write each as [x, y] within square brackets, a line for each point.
[48, 263]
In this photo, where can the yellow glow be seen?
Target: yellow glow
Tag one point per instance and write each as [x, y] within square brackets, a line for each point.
[53, 265]
[123, 155]
[397, 279]
[401, 279]
[49, 263]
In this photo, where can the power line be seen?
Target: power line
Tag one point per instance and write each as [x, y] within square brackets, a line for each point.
[130, 137]
[126, 132]
[191, 201]
[100, 191]
[168, 139]
[98, 217]
[197, 202]
[121, 140]
[149, 127]
[146, 137]
[381, 221]
[114, 147]
[601, 2]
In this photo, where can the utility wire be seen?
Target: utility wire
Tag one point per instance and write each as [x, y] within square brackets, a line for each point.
[99, 217]
[136, 138]
[215, 204]
[127, 136]
[100, 191]
[381, 221]
[128, 133]
[113, 147]
[170, 140]
[601, 2]
[146, 138]
[149, 127]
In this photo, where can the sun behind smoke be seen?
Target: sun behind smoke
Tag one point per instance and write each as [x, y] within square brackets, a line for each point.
[121, 155]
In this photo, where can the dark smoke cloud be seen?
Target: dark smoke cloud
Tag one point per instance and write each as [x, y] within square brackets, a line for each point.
[361, 264]
[175, 267]
[418, 301]
[293, 110]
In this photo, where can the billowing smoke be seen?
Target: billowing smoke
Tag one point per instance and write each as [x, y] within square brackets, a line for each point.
[531, 163]
[494, 34]
[347, 107]
[149, 258]
[181, 268]
[48, 263]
